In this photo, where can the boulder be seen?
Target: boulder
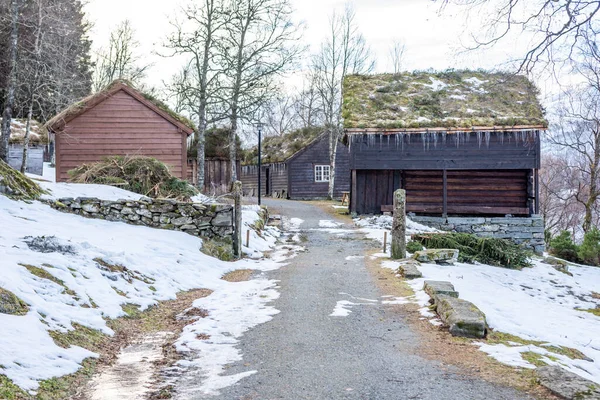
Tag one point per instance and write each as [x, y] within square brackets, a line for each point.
[222, 219]
[567, 384]
[436, 288]
[440, 256]
[408, 269]
[181, 221]
[11, 304]
[462, 317]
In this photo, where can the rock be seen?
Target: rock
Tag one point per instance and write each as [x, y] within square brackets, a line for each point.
[435, 288]
[408, 269]
[90, 207]
[181, 221]
[566, 384]
[187, 227]
[127, 211]
[161, 207]
[144, 212]
[48, 244]
[462, 317]
[559, 265]
[222, 219]
[11, 304]
[440, 256]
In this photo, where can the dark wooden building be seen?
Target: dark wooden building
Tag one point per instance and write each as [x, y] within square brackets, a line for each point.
[119, 121]
[459, 143]
[304, 175]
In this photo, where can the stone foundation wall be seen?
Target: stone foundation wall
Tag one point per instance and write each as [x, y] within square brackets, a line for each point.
[213, 220]
[528, 232]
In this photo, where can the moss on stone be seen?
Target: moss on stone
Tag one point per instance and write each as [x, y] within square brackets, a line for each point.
[221, 249]
[11, 304]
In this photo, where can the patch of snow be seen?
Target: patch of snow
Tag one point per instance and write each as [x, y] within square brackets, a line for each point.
[423, 119]
[458, 96]
[103, 192]
[536, 303]
[352, 258]
[475, 81]
[470, 111]
[436, 84]
[203, 199]
[326, 223]
[295, 223]
[340, 207]
[160, 263]
[232, 310]
[342, 308]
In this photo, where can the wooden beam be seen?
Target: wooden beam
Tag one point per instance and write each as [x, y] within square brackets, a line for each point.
[353, 192]
[537, 191]
[445, 195]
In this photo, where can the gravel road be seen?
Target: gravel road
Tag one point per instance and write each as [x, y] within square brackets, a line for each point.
[304, 353]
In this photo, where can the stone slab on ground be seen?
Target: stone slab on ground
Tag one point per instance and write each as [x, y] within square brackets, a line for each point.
[436, 288]
[567, 384]
[462, 317]
[440, 256]
[408, 269]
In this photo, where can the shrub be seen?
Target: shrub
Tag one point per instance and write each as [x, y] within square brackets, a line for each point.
[413, 246]
[492, 251]
[144, 175]
[562, 246]
[589, 251]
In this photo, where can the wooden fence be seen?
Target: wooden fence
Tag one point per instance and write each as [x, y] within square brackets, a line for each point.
[217, 175]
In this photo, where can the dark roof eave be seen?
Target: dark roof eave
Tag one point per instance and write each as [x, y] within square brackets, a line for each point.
[362, 131]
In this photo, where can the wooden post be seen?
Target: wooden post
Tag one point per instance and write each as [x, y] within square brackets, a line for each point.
[237, 226]
[248, 238]
[399, 225]
[384, 240]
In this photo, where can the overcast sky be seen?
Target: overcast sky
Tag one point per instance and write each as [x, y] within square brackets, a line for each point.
[433, 38]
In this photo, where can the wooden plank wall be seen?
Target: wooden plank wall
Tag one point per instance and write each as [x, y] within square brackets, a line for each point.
[469, 192]
[35, 158]
[120, 125]
[217, 175]
[277, 175]
[436, 151]
[302, 171]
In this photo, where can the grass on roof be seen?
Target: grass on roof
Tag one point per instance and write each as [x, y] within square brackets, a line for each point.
[440, 99]
[277, 149]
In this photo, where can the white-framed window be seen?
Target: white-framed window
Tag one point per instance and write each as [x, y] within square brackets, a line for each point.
[322, 173]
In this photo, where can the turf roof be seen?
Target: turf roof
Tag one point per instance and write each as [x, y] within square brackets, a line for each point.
[461, 99]
[277, 149]
[86, 103]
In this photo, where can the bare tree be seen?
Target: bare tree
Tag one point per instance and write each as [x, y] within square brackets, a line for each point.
[12, 79]
[397, 54]
[120, 60]
[260, 44]
[307, 103]
[344, 52]
[558, 26]
[34, 70]
[280, 115]
[195, 87]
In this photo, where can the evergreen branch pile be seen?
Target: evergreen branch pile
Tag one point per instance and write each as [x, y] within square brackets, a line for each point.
[492, 251]
[17, 185]
[144, 175]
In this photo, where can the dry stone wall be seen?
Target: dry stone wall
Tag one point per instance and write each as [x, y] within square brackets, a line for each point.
[205, 220]
[525, 231]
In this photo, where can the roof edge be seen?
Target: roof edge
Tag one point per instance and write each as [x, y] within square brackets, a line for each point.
[355, 131]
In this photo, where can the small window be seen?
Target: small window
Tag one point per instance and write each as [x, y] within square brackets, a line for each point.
[322, 173]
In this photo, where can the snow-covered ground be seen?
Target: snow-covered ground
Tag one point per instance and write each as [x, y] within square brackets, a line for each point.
[536, 304]
[158, 264]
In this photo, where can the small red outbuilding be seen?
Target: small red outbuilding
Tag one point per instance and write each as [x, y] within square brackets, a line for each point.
[119, 120]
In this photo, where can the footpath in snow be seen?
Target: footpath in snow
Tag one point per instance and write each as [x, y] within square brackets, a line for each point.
[537, 304]
[98, 266]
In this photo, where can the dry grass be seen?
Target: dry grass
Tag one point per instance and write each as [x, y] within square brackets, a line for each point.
[437, 344]
[440, 99]
[339, 214]
[239, 275]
